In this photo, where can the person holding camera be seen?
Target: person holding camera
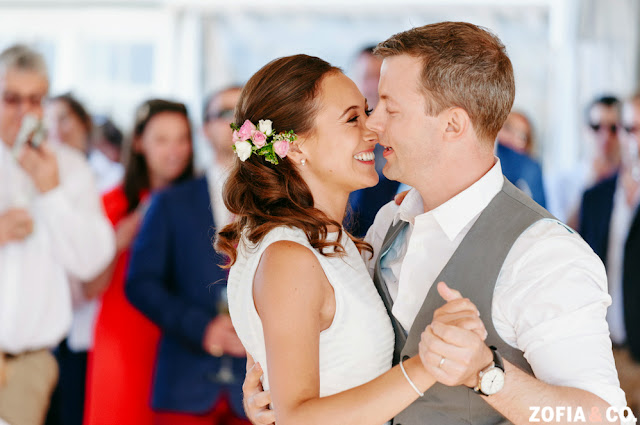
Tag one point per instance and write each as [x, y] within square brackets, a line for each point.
[52, 227]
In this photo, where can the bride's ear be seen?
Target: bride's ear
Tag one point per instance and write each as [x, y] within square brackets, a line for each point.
[295, 153]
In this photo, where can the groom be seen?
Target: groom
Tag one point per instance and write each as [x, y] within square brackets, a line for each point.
[445, 91]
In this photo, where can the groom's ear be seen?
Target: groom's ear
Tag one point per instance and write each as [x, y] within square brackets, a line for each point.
[457, 124]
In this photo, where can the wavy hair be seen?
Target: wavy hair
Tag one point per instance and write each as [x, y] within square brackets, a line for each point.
[263, 196]
[136, 174]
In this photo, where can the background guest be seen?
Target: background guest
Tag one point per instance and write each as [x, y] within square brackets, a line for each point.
[517, 166]
[69, 122]
[106, 156]
[174, 279]
[517, 134]
[610, 223]
[107, 138]
[121, 365]
[602, 160]
[52, 229]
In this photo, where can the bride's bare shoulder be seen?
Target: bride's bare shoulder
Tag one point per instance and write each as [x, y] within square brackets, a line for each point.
[288, 271]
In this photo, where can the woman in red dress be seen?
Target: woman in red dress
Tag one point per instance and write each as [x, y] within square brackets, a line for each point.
[120, 369]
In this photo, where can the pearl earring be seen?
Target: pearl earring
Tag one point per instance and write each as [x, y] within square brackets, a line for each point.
[304, 161]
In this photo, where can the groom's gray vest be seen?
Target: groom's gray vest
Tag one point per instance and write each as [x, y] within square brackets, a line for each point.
[473, 270]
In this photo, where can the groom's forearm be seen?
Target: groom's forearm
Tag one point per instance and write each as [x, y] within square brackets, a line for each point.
[524, 397]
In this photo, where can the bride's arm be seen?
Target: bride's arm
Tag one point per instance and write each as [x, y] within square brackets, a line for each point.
[295, 303]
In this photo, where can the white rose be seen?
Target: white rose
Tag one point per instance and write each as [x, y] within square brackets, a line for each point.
[243, 150]
[265, 127]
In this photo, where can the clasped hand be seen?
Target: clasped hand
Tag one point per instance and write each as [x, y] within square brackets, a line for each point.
[456, 334]
[452, 347]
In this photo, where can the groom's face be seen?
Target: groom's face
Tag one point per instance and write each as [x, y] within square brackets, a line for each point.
[409, 136]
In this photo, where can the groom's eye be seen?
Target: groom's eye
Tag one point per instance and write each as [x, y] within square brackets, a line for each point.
[354, 119]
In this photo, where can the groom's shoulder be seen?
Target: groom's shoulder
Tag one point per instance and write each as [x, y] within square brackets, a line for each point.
[382, 222]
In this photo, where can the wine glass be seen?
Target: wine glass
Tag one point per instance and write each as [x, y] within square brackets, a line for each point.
[225, 374]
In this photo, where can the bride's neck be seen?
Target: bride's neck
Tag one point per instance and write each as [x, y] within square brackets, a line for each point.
[332, 203]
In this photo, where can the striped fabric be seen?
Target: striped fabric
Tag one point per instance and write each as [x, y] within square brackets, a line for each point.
[356, 348]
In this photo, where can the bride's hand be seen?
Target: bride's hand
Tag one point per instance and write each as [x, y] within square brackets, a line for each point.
[256, 401]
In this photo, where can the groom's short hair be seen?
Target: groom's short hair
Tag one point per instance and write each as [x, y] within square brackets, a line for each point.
[465, 66]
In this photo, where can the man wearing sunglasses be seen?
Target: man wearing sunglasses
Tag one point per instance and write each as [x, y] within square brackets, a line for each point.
[604, 116]
[51, 227]
[217, 115]
[564, 190]
[610, 223]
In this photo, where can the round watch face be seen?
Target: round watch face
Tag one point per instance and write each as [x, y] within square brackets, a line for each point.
[492, 381]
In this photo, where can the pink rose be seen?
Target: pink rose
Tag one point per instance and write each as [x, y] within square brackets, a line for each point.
[281, 147]
[236, 136]
[259, 138]
[245, 130]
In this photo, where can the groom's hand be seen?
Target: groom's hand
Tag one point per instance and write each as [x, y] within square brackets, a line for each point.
[457, 336]
[256, 401]
[458, 311]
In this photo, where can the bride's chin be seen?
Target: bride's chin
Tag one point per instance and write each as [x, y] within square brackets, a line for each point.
[369, 182]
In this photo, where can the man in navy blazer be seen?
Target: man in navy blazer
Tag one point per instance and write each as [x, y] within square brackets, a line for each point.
[610, 223]
[175, 279]
[523, 172]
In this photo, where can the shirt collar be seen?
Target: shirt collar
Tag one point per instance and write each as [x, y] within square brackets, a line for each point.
[455, 214]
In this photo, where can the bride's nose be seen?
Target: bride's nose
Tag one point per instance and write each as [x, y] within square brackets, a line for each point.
[370, 136]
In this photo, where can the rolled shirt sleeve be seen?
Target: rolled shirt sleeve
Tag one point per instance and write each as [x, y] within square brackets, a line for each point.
[550, 301]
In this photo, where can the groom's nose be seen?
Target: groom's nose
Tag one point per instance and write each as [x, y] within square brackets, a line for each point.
[374, 121]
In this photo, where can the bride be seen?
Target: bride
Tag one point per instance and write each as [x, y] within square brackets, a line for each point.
[300, 296]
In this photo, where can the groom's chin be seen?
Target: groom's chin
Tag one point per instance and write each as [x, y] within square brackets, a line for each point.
[390, 172]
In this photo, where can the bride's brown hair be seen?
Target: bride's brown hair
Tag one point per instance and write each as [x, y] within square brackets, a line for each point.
[263, 196]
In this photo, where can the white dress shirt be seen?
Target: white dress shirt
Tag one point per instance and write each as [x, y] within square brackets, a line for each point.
[216, 177]
[621, 219]
[108, 173]
[71, 237]
[550, 299]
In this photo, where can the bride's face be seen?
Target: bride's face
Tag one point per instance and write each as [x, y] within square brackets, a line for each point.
[339, 152]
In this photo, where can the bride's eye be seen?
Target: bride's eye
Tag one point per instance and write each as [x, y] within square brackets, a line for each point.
[368, 111]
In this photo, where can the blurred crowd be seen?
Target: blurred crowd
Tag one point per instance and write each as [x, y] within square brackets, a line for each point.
[112, 302]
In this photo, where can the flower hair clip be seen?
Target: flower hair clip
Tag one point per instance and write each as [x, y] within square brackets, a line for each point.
[261, 140]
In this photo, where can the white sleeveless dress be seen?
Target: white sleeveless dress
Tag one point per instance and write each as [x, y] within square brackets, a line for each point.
[356, 348]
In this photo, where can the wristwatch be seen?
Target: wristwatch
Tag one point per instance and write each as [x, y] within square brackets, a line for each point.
[491, 379]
